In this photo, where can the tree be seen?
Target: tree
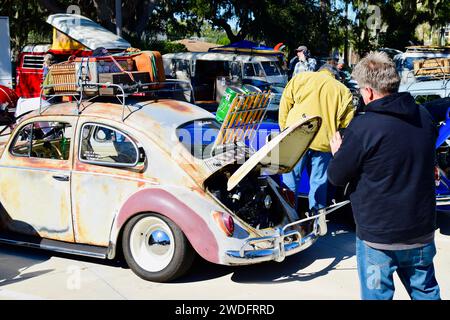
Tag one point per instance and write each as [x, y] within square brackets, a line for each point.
[400, 19]
[135, 13]
[221, 13]
[25, 19]
[270, 21]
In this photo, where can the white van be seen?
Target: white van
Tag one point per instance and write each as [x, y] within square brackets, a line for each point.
[5, 53]
[210, 73]
[404, 61]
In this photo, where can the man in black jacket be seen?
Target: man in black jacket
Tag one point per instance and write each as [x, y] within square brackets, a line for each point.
[388, 156]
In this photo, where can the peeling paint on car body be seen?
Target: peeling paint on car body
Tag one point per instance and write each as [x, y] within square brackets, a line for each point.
[93, 208]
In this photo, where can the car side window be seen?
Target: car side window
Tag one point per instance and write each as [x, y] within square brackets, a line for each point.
[44, 139]
[248, 70]
[104, 145]
[258, 70]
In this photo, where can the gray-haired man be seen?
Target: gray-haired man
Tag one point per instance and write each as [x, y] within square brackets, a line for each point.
[388, 156]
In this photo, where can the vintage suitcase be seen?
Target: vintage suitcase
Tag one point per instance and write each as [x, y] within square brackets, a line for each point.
[89, 69]
[121, 78]
[151, 62]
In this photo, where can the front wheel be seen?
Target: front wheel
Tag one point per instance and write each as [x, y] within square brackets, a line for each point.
[155, 248]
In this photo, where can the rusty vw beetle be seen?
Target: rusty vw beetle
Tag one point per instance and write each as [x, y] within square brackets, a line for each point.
[91, 180]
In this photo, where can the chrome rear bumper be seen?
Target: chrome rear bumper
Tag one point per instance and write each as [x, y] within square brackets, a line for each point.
[442, 200]
[283, 243]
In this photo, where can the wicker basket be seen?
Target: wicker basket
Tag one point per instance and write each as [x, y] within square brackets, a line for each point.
[62, 73]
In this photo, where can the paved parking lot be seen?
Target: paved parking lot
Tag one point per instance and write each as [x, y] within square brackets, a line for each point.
[327, 270]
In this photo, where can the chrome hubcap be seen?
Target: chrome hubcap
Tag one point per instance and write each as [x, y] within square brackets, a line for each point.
[152, 244]
[159, 242]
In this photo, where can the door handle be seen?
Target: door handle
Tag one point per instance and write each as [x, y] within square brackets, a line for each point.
[61, 177]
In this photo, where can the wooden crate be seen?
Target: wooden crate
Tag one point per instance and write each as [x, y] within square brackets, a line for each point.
[435, 66]
[64, 73]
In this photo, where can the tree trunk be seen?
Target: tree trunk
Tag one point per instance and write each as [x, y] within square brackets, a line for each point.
[227, 28]
[324, 7]
[346, 34]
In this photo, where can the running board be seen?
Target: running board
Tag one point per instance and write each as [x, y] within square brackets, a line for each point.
[54, 245]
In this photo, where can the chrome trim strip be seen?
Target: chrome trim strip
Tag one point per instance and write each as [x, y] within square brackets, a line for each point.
[35, 169]
[53, 248]
[443, 200]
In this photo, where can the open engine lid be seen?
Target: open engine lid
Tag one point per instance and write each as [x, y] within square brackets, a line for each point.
[87, 32]
[282, 153]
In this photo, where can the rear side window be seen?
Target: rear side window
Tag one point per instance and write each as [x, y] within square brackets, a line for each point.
[108, 146]
[198, 136]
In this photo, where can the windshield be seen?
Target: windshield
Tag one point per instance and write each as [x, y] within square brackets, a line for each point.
[198, 136]
[271, 68]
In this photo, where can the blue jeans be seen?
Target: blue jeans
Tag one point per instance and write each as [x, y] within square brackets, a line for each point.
[316, 163]
[414, 267]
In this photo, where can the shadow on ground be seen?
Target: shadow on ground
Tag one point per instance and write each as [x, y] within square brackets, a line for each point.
[15, 260]
[443, 222]
[338, 244]
[14, 263]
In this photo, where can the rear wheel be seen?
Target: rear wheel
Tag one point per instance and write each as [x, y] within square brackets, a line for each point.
[155, 248]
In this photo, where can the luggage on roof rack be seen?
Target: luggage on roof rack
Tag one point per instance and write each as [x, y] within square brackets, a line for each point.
[126, 70]
[62, 73]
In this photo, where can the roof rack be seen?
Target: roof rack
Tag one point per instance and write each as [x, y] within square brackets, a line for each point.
[428, 49]
[151, 89]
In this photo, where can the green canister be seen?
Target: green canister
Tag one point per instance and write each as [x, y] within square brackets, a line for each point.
[225, 103]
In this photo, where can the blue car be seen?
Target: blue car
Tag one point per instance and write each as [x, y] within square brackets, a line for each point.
[440, 111]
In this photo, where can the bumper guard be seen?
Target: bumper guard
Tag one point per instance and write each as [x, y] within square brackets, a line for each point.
[284, 242]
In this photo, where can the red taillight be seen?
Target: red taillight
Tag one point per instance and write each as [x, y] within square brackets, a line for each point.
[437, 176]
[225, 222]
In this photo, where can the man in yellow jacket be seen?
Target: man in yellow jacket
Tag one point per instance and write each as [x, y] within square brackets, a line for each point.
[315, 94]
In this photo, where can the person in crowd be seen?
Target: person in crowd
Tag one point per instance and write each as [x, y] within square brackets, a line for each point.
[315, 94]
[387, 155]
[49, 60]
[307, 63]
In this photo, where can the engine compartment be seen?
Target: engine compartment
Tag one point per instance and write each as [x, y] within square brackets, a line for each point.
[253, 200]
